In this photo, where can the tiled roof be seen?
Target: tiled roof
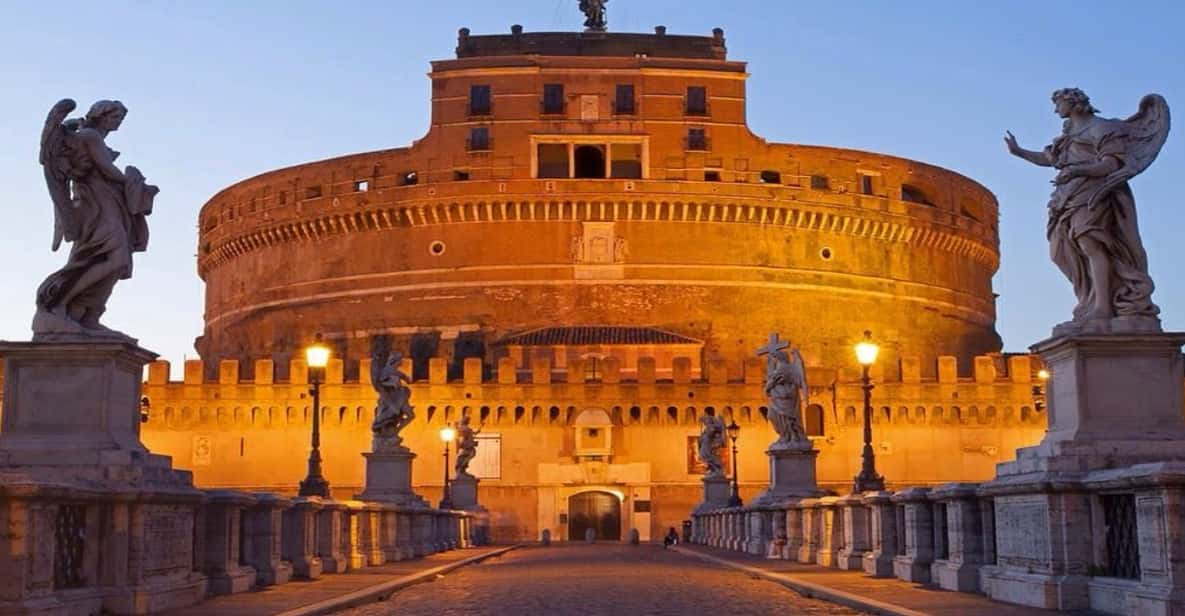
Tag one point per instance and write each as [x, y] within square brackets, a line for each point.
[595, 334]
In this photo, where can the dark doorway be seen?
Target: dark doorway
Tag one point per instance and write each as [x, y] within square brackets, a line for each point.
[590, 162]
[600, 511]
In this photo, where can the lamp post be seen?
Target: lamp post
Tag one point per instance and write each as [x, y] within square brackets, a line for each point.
[867, 480]
[733, 432]
[1039, 390]
[317, 356]
[447, 434]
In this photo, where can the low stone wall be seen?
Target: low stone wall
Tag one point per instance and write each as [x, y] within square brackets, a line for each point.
[1131, 563]
[69, 550]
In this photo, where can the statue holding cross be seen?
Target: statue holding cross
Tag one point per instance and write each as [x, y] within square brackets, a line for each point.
[786, 388]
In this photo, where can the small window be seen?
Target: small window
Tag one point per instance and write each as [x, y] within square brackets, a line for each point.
[771, 177]
[913, 194]
[312, 192]
[697, 100]
[820, 182]
[479, 100]
[624, 103]
[409, 178]
[865, 184]
[460, 176]
[479, 139]
[711, 176]
[361, 186]
[552, 160]
[283, 197]
[697, 139]
[553, 98]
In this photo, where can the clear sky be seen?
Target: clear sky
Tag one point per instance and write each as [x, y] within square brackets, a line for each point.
[221, 90]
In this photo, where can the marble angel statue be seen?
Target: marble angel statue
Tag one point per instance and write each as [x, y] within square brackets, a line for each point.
[711, 439]
[394, 411]
[1093, 236]
[786, 388]
[99, 208]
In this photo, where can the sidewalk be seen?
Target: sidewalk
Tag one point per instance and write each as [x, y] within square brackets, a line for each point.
[332, 592]
[858, 591]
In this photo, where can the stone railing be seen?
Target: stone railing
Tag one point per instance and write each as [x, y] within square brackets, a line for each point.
[75, 549]
[946, 537]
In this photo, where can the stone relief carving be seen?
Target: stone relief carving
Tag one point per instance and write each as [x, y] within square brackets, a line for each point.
[711, 439]
[394, 411]
[786, 388]
[1093, 236]
[466, 446]
[100, 209]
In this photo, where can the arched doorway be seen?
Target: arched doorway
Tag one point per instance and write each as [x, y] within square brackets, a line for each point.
[600, 511]
[590, 162]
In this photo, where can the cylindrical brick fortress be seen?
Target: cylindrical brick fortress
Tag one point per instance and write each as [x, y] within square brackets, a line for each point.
[541, 196]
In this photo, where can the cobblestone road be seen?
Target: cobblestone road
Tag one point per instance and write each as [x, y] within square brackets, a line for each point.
[587, 580]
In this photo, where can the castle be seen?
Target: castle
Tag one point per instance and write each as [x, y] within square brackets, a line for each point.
[582, 254]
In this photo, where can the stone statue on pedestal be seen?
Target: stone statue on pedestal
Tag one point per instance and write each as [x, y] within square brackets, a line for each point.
[785, 385]
[1092, 231]
[394, 411]
[100, 209]
[466, 446]
[594, 13]
[711, 439]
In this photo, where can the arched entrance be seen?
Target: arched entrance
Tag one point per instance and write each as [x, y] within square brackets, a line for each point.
[600, 511]
[590, 162]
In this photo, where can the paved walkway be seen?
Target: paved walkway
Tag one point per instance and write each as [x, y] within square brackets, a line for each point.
[609, 579]
[335, 591]
[873, 595]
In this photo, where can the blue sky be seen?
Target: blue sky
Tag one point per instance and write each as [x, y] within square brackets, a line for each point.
[222, 90]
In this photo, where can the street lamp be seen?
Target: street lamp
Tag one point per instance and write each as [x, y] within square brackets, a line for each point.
[317, 356]
[867, 480]
[733, 432]
[1039, 390]
[448, 435]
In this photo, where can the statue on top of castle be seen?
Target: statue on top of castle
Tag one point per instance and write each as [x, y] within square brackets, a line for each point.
[466, 446]
[786, 388]
[594, 13]
[100, 209]
[394, 411]
[1093, 236]
[711, 439]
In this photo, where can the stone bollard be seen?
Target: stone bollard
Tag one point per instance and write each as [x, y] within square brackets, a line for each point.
[882, 531]
[545, 538]
[300, 537]
[264, 538]
[856, 533]
[329, 537]
[354, 534]
[740, 529]
[794, 532]
[405, 534]
[388, 542]
[758, 531]
[223, 515]
[959, 537]
[831, 532]
[372, 528]
[422, 532]
[811, 530]
[634, 537]
[914, 565]
[590, 535]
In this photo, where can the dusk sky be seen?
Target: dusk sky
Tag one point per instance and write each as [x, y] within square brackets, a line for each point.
[219, 91]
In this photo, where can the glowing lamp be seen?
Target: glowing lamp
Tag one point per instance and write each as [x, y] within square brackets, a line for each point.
[866, 350]
[317, 354]
[1043, 374]
[733, 429]
[447, 434]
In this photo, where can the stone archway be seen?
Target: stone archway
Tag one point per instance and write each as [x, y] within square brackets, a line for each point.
[590, 161]
[600, 511]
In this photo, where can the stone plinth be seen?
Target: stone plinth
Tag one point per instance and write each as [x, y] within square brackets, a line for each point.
[882, 522]
[791, 475]
[388, 478]
[717, 491]
[463, 493]
[914, 564]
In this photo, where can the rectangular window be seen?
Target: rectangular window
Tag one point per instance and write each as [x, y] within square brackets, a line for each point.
[460, 176]
[312, 192]
[711, 176]
[819, 182]
[553, 98]
[479, 138]
[697, 100]
[361, 186]
[553, 160]
[283, 197]
[624, 103]
[479, 100]
[697, 139]
[627, 160]
[771, 177]
[409, 178]
[865, 184]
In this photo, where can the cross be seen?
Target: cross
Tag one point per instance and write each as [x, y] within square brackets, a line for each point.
[774, 344]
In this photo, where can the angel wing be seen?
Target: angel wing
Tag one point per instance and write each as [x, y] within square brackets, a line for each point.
[56, 165]
[1147, 131]
[798, 369]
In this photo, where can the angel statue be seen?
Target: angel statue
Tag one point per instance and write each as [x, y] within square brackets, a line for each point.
[100, 209]
[394, 412]
[785, 386]
[711, 439]
[594, 13]
[466, 446]
[1092, 231]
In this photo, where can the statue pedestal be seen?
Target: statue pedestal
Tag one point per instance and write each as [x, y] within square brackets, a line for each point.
[73, 466]
[717, 490]
[463, 493]
[388, 478]
[1115, 401]
[791, 474]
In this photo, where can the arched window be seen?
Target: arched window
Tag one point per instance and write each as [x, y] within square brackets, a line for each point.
[814, 420]
[590, 161]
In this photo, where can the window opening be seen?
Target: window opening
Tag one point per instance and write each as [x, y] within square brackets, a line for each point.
[479, 100]
[711, 176]
[590, 162]
[624, 103]
[771, 177]
[820, 182]
[697, 100]
[697, 139]
[552, 160]
[479, 138]
[553, 98]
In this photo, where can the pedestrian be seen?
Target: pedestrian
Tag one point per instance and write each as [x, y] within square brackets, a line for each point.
[671, 539]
